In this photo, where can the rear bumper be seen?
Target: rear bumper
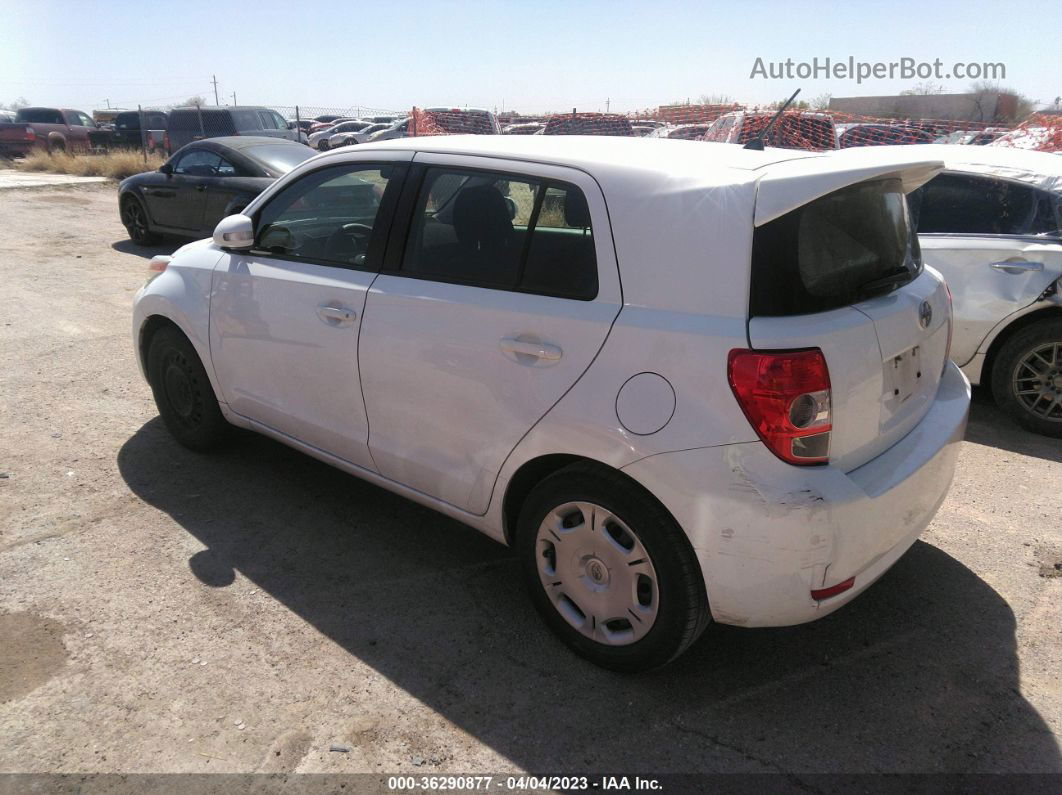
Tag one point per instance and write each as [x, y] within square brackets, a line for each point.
[18, 148]
[766, 533]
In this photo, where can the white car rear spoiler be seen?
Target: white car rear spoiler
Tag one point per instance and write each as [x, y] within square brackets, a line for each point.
[789, 184]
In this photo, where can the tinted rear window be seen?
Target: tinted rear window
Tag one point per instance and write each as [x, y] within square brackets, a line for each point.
[127, 121]
[39, 116]
[594, 125]
[962, 204]
[830, 252]
[463, 121]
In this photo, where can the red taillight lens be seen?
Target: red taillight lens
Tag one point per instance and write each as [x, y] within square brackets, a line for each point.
[786, 397]
[31, 134]
[159, 263]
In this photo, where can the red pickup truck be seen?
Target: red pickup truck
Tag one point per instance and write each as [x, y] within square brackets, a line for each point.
[51, 129]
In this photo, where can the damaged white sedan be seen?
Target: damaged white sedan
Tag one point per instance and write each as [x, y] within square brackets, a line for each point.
[686, 381]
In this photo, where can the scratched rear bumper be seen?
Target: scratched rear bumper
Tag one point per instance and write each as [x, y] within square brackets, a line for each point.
[767, 533]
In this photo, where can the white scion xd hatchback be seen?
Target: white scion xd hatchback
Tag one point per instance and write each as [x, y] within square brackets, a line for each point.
[686, 381]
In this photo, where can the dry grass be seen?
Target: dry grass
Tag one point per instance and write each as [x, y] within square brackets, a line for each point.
[114, 165]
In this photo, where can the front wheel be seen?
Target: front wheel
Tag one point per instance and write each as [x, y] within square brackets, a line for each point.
[182, 391]
[1027, 377]
[609, 570]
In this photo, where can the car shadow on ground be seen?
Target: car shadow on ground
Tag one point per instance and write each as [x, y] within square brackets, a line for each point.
[166, 246]
[918, 674]
[992, 427]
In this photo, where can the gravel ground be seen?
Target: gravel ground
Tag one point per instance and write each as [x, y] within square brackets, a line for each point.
[162, 611]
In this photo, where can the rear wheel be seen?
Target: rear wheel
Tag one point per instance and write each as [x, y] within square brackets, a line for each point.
[1027, 377]
[609, 570]
[182, 391]
[135, 221]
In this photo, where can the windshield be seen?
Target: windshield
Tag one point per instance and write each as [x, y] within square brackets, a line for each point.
[279, 158]
[845, 247]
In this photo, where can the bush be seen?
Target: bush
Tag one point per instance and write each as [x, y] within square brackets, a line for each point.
[113, 165]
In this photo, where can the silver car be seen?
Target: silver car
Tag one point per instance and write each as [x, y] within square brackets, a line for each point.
[990, 223]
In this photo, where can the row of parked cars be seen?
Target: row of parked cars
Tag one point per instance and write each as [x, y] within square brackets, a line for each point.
[687, 382]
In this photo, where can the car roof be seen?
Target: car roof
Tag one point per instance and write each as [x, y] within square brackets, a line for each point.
[643, 166]
[600, 152]
[1040, 169]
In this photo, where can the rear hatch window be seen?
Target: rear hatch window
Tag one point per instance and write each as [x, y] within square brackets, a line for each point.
[843, 274]
[845, 247]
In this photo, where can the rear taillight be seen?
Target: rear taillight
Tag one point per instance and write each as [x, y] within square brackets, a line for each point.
[159, 263]
[786, 397]
[951, 325]
[31, 134]
[166, 142]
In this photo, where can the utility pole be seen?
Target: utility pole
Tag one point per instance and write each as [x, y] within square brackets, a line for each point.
[608, 102]
[234, 98]
[214, 80]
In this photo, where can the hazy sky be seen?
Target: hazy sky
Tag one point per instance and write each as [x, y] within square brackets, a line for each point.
[531, 56]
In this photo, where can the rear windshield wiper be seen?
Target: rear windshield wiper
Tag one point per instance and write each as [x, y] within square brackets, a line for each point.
[893, 279]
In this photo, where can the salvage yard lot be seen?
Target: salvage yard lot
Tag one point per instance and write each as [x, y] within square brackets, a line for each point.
[162, 611]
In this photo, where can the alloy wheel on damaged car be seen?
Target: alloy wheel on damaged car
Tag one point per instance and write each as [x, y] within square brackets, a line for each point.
[597, 574]
[1037, 381]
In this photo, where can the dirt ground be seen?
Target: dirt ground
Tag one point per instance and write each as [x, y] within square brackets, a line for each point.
[162, 611]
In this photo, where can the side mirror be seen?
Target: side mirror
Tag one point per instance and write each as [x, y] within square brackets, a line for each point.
[166, 169]
[236, 232]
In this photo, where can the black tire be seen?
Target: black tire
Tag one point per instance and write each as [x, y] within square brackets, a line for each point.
[136, 223]
[183, 395]
[322, 146]
[682, 614]
[56, 147]
[1038, 414]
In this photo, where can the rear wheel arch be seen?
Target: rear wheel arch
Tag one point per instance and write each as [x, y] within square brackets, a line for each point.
[1023, 322]
[536, 470]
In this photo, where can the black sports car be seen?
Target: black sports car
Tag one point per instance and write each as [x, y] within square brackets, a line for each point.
[202, 183]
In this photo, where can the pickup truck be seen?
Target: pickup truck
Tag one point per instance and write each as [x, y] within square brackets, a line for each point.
[128, 134]
[51, 129]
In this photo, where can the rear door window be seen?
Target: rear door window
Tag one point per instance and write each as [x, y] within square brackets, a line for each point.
[501, 231]
[964, 204]
[843, 248]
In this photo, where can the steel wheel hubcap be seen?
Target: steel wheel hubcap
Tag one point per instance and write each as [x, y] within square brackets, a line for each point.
[597, 574]
[181, 392]
[1037, 381]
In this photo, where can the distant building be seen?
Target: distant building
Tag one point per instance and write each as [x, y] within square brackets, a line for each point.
[983, 107]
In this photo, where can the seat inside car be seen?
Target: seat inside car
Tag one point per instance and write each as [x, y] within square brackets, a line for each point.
[486, 247]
